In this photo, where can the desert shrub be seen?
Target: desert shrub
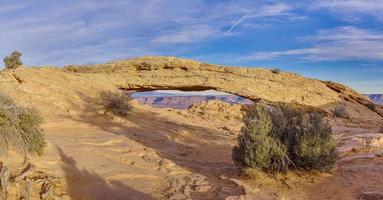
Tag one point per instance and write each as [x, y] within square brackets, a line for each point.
[277, 138]
[256, 147]
[276, 71]
[19, 128]
[116, 102]
[13, 61]
[372, 107]
[340, 111]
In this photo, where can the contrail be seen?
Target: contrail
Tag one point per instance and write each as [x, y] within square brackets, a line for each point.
[239, 22]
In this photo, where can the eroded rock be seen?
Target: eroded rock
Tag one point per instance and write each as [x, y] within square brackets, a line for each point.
[371, 195]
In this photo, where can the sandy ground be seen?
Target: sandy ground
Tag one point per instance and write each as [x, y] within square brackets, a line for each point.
[179, 154]
[152, 154]
[172, 154]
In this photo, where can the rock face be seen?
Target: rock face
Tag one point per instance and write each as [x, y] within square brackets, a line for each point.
[185, 152]
[371, 196]
[170, 73]
[152, 73]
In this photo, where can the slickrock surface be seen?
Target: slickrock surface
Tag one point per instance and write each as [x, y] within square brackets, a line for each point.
[158, 153]
[149, 73]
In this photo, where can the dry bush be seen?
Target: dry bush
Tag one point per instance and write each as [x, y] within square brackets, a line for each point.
[372, 107]
[19, 128]
[340, 111]
[72, 68]
[81, 69]
[13, 61]
[275, 139]
[276, 71]
[116, 102]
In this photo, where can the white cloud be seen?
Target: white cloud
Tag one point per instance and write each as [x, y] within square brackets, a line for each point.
[274, 10]
[342, 43]
[86, 31]
[7, 7]
[188, 35]
[349, 9]
[362, 6]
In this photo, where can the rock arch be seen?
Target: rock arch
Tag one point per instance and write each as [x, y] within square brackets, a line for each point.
[171, 73]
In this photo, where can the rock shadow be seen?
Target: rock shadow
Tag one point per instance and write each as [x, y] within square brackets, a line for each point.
[200, 152]
[84, 185]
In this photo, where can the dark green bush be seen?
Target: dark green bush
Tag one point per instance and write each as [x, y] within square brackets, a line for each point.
[256, 147]
[284, 136]
[340, 111]
[116, 102]
[13, 61]
[19, 128]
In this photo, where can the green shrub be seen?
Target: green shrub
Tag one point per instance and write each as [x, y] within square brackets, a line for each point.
[256, 147]
[19, 128]
[277, 138]
[340, 111]
[13, 61]
[116, 102]
[276, 71]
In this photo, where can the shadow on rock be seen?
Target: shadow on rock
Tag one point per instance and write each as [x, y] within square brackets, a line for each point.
[85, 185]
[201, 150]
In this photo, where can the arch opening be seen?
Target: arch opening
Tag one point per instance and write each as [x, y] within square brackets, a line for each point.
[183, 99]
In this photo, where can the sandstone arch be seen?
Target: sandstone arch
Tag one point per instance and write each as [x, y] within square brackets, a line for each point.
[171, 73]
[165, 73]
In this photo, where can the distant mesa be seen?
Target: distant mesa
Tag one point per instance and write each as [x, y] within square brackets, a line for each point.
[377, 98]
[183, 100]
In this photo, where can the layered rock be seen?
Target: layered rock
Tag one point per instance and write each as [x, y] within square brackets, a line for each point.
[152, 73]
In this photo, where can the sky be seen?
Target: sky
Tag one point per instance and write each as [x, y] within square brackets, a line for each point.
[338, 40]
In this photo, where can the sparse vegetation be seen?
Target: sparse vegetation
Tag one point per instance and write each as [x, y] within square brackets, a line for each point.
[275, 139]
[276, 71]
[13, 61]
[340, 111]
[116, 102]
[19, 128]
[372, 107]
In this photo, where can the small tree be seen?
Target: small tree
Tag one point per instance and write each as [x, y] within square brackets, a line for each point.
[13, 61]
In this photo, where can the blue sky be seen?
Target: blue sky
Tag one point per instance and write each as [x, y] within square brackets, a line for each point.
[339, 40]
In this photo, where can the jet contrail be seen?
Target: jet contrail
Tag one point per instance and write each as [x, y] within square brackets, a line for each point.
[236, 24]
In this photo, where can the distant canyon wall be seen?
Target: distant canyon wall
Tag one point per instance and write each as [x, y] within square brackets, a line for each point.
[377, 98]
[182, 102]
